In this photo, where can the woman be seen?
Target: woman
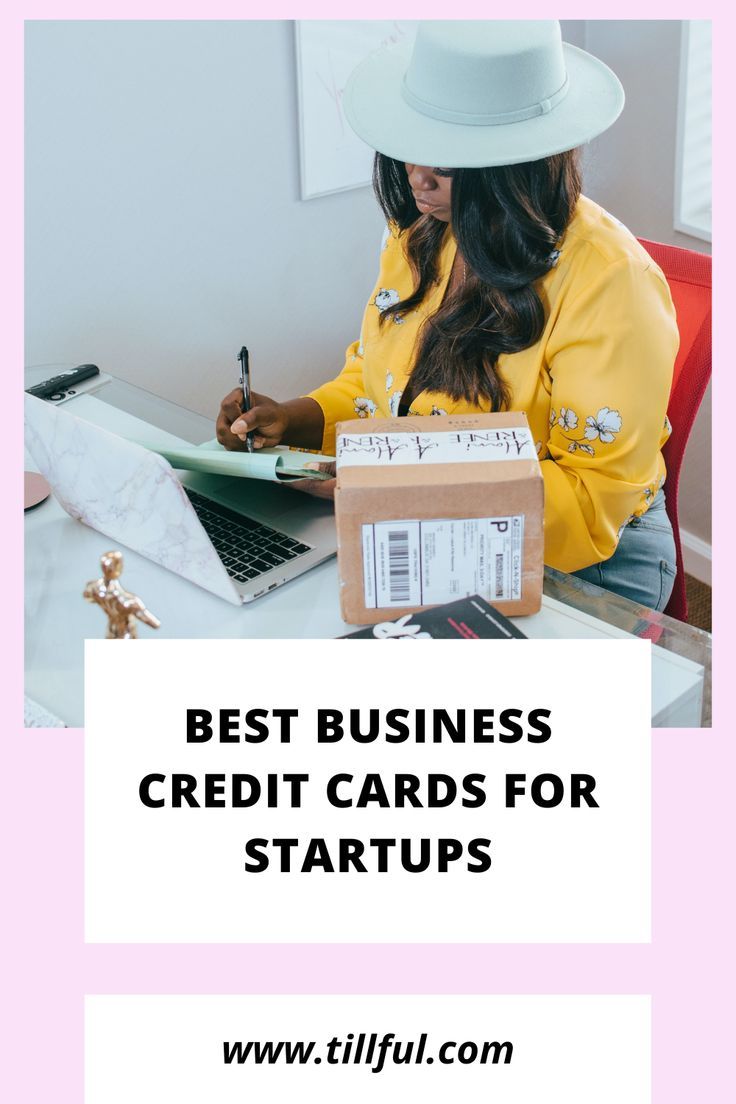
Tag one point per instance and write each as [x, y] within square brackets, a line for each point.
[502, 288]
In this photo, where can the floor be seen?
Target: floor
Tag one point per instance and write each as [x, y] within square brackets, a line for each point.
[698, 603]
[699, 614]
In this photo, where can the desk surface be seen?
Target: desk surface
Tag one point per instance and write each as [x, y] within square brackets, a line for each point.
[61, 554]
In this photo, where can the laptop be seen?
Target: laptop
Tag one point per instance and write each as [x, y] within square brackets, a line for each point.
[237, 538]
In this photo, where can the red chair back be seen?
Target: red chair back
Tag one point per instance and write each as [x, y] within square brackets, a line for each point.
[689, 277]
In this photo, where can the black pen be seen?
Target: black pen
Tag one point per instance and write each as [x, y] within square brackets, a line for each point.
[245, 384]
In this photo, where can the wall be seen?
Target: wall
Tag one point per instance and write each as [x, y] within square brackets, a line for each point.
[164, 225]
[630, 171]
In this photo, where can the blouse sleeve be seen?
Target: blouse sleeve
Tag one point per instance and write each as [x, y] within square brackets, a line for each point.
[610, 357]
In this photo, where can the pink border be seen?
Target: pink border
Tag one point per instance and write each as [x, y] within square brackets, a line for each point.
[49, 968]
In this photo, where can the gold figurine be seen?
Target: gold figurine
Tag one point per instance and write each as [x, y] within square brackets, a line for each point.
[121, 607]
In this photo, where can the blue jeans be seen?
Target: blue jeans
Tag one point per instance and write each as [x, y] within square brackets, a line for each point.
[644, 565]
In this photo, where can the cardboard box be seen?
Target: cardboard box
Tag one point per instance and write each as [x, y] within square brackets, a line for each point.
[434, 509]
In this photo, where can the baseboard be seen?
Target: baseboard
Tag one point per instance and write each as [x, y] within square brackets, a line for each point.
[697, 556]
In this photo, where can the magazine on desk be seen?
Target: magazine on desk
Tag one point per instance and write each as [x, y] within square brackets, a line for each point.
[467, 619]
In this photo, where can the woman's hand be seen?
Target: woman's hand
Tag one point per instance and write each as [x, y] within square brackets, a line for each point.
[266, 419]
[320, 488]
[297, 422]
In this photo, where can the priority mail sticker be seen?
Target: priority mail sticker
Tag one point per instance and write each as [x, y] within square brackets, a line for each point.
[422, 563]
[468, 446]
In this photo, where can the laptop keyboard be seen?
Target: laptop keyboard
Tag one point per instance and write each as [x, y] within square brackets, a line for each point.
[246, 547]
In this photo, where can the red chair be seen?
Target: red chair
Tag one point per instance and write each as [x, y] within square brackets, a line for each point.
[689, 277]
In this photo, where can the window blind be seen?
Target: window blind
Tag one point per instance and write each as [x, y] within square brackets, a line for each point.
[693, 165]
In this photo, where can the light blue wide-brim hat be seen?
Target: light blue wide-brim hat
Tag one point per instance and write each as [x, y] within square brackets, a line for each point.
[474, 93]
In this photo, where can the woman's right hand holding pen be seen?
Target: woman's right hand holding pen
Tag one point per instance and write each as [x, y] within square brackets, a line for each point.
[298, 422]
[266, 420]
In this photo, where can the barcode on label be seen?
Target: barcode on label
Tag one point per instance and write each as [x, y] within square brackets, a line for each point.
[391, 564]
[398, 566]
[499, 575]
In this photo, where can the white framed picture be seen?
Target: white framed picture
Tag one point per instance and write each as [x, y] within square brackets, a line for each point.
[331, 157]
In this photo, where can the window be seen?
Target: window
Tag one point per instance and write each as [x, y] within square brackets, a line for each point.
[693, 165]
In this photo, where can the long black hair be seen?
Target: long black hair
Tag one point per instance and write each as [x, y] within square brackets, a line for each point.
[507, 222]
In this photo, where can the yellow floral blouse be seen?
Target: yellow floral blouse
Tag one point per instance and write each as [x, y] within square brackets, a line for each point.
[594, 387]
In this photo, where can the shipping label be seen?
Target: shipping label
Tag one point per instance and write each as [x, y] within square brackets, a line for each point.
[418, 563]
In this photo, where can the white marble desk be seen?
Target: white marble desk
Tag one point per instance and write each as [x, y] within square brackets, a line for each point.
[62, 554]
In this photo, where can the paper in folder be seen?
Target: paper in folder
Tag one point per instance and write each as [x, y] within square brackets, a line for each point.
[279, 465]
